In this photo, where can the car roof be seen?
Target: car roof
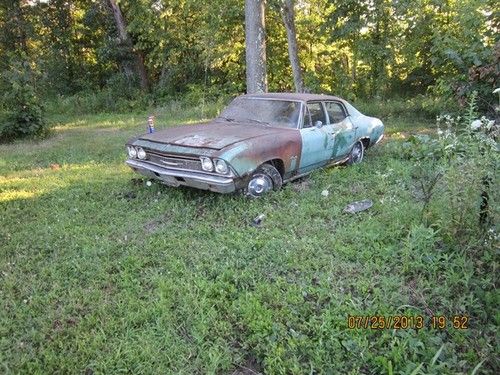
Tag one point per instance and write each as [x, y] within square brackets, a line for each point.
[293, 96]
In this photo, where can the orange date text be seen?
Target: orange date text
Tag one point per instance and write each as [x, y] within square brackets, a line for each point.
[406, 322]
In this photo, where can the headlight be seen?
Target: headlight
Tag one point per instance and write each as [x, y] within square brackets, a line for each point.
[141, 154]
[206, 164]
[132, 153]
[220, 166]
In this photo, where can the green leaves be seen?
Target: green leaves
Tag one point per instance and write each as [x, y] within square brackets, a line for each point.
[25, 114]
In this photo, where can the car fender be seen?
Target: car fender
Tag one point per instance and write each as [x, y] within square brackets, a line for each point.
[246, 156]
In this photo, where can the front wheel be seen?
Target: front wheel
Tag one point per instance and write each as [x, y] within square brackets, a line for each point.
[264, 179]
[357, 153]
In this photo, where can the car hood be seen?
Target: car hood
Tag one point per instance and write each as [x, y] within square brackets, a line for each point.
[214, 135]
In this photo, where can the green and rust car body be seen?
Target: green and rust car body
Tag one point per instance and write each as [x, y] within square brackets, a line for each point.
[319, 136]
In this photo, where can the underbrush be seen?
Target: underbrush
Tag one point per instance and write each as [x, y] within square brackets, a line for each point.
[110, 100]
[106, 102]
[22, 113]
[417, 108]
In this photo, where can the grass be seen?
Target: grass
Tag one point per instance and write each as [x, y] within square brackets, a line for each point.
[101, 274]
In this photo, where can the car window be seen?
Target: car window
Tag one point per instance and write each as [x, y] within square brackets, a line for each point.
[335, 112]
[316, 114]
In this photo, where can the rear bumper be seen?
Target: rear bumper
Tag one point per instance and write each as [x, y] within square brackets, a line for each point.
[378, 139]
[176, 177]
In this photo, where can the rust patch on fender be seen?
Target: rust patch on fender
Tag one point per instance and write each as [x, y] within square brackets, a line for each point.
[286, 147]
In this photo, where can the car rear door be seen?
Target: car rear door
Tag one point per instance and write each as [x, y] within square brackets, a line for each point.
[343, 131]
[317, 140]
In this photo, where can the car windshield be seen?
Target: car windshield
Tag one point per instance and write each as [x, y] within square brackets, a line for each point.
[280, 113]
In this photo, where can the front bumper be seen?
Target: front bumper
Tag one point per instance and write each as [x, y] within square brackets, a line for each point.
[176, 177]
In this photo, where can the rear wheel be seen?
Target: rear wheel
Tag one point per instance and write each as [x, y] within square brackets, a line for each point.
[264, 179]
[357, 153]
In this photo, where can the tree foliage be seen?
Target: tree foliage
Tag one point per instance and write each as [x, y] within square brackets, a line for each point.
[357, 49]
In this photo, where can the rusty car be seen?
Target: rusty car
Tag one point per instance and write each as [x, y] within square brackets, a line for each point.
[258, 143]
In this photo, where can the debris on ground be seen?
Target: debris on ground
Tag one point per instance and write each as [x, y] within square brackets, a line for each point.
[136, 181]
[354, 207]
[258, 220]
[55, 166]
[149, 183]
[130, 195]
[325, 193]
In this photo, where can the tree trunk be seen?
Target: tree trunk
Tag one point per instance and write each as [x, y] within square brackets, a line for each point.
[125, 39]
[141, 70]
[255, 39]
[354, 64]
[288, 15]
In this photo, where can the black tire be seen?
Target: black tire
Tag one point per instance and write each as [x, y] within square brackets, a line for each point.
[356, 154]
[264, 179]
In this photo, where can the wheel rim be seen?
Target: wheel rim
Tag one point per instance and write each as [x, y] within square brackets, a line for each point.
[259, 185]
[357, 153]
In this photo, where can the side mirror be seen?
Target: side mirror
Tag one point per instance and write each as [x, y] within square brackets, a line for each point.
[318, 124]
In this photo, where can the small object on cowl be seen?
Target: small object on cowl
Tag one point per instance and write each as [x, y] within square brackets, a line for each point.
[151, 124]
[258, 220]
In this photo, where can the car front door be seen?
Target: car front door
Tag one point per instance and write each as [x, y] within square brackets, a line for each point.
[317, 140]
[343, 131]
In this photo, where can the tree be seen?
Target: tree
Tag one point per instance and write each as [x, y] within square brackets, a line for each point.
[255, 41]
[198, 48]
[288, 15]
[127, 42]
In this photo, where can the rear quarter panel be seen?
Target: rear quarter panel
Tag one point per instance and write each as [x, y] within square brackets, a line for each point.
[367, 127]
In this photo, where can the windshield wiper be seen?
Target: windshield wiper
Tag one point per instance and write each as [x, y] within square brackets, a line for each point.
[257, 121]
[244, 119]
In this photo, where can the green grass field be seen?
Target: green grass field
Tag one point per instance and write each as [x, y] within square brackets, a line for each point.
[101, 274]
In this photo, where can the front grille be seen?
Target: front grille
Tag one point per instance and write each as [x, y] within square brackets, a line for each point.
[178, 162]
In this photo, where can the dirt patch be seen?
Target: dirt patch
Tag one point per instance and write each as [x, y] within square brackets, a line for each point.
[302, 184]
[249, 367]
[156, 224]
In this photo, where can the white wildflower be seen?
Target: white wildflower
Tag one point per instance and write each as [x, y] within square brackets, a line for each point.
[476, 124]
